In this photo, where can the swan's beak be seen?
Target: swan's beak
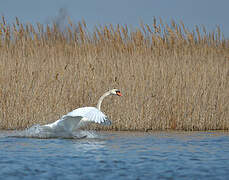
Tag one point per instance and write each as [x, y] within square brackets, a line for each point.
[119, 93]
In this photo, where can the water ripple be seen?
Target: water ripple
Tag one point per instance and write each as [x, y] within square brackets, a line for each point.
[160, 155]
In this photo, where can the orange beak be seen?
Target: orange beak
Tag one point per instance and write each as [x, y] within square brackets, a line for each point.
[119, 94]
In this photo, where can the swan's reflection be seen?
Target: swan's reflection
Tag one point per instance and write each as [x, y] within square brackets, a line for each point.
[87, 145]
[96, 149]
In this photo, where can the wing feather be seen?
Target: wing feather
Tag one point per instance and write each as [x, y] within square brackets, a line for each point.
[78, 118]
[90, 114]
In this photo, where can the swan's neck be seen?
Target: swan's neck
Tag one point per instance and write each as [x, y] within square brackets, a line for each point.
[101, 99]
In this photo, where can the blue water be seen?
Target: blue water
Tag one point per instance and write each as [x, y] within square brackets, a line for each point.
[117, 155]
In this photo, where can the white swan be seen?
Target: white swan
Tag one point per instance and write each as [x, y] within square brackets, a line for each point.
[82, 116]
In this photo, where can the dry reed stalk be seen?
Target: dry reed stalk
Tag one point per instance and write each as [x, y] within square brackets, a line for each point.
[171, 78]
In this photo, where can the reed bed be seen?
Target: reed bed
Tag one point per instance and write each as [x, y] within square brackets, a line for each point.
[170, 77]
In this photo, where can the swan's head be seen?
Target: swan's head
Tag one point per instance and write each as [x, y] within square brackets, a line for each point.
[115, 92]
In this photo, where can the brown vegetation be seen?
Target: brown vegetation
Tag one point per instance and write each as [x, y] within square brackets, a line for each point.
[171, 78]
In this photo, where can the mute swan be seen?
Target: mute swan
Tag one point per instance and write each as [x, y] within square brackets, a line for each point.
[82, 116]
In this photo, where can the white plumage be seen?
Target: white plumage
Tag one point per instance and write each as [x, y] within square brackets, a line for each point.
[82, 116]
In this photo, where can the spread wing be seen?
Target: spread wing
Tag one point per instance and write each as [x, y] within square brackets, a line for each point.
[89, 114]
[78, 118]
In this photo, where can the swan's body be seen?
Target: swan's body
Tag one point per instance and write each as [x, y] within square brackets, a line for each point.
[82, 116]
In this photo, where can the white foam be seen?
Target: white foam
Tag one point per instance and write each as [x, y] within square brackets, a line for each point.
[45, 132]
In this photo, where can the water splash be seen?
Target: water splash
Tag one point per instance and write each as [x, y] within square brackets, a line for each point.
[44, 132]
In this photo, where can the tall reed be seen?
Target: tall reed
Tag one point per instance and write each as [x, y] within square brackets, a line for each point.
[171, 77]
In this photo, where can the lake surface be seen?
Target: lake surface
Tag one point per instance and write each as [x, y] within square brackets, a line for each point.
[117, 155]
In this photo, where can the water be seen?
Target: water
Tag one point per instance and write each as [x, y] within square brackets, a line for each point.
[117, 155]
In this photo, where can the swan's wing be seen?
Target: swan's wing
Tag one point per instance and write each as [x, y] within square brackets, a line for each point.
[78, 118]
[69, 122]
[90, 114]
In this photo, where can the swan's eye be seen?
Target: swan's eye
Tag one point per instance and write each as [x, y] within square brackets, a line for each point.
[118, 93]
